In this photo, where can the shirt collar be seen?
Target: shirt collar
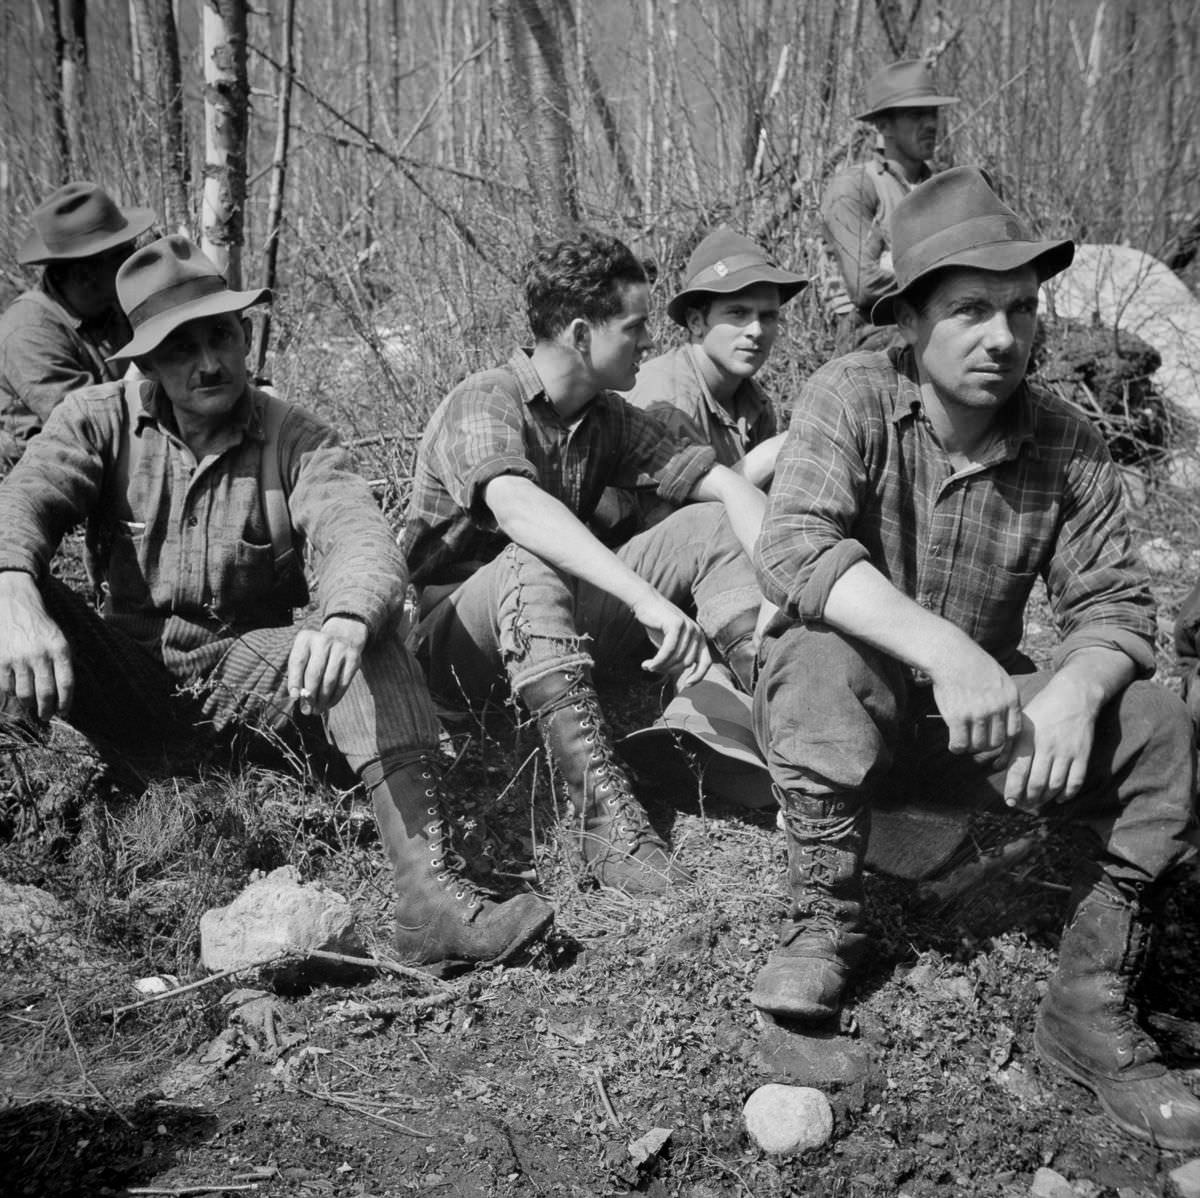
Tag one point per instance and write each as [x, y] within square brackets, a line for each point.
[1016, 420]
[528, 379]
[748, 400]
[885, 165]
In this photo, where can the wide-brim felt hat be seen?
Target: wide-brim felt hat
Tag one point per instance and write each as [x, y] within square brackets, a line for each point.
[169, 282]
[80, 220]
[956, 219]
[905, 84]
[725, 262]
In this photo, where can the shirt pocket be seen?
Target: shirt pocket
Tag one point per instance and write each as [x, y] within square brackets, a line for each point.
[998, 619]
[128, 585]
[246, 579]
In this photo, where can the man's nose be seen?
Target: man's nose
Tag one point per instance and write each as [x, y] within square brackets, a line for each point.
[998, 334]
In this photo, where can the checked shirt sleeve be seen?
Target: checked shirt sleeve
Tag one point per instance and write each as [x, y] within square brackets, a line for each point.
[807, 541]
[675, 464]
[359, 568]
[1098, 589]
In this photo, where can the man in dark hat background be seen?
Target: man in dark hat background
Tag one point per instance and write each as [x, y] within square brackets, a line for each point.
[919, 495]
[902, 103]
[57, 336]
[184, 478]
[705, 390]
[519, 598]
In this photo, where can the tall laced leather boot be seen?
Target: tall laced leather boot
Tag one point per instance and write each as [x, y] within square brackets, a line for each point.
[820, 940]
[1087, 1024]
[442, 917]
[618, 847]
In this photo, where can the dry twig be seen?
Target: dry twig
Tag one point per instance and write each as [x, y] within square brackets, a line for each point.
[83, 1073]
[117, 1012]
[358, 1109]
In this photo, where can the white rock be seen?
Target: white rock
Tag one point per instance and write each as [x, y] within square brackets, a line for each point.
[788, 1119]
[1047, 1183]
[1128, 288]
[29, 917]
[275, 915]
[1186, 1179]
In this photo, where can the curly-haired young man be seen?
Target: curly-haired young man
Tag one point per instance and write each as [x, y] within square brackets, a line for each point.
[513, 584]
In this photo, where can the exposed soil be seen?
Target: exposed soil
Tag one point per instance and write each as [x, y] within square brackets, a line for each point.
[534, 1079]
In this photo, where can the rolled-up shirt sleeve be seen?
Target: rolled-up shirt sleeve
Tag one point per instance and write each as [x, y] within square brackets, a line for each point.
[1099, 591]
[807, 540]
[671, 461]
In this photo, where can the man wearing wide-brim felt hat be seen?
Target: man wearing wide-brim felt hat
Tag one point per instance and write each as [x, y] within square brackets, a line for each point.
[203, 496]
[706, 391]
[920, 495]
[903, 103]
[58, 334]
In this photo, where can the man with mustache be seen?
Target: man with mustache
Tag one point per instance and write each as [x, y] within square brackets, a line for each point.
[918, 497]
[856, 212]
[203, 496]
[57, 336]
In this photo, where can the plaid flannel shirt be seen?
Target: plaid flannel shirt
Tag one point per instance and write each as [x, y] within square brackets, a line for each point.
[862, 477]
[190, 561]
[500, 422]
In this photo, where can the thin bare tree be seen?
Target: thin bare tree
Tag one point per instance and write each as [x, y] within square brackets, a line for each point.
[226, 116]
[157, 45]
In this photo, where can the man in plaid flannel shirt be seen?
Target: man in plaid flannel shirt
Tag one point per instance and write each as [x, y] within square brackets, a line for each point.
[516, 589]
[919, 495]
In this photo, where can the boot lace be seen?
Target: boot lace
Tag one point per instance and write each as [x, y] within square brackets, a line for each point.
[825, 862]
[612, 785]
[446, 863]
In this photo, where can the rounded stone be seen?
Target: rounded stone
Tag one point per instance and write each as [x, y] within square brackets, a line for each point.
[788, 1119]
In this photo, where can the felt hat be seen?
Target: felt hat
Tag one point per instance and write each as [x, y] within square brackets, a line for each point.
[905, 84]
[166, 284]
[725, 262]
[956, 219]
[78, 221]
[709, 726]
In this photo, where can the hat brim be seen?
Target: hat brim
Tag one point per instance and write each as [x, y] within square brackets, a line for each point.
[34, 251]
[789, 285]
[909, 102]
[152, 333]
[1048, 258]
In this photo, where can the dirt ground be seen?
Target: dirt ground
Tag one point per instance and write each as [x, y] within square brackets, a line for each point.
[615, 1060]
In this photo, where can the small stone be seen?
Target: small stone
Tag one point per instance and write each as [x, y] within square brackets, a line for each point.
[1048, 1183]
[788, 1119]
[1186, 1179]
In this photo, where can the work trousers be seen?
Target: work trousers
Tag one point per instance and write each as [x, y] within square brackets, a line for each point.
[127, 697]
[518, 619]
[838, 718]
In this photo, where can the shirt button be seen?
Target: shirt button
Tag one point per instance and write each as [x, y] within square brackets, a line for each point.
[934, 550]
[192, 521]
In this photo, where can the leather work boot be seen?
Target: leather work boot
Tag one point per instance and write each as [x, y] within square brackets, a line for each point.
[734, 642]
[617, 845]
[1087, 1023]
[820, 939]
[442, 917]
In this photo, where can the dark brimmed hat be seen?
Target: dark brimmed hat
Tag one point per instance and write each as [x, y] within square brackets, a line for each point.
[905, 84]
[956, 219]
[725, 262]
[78, 221]
[166, 284]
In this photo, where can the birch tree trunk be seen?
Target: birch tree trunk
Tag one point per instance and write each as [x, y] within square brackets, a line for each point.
[226, 110]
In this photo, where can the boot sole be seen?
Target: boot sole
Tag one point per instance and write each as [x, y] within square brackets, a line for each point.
[444, 965]
[1063, 1064]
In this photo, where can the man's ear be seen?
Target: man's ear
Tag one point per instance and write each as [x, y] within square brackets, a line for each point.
[579, 333]
[906, 320]
[695, 322]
